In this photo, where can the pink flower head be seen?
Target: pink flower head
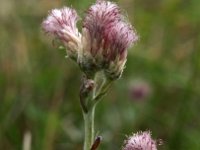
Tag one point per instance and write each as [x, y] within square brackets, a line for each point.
[140, 141]
[140, 90]
[61, 23]
[106, 37]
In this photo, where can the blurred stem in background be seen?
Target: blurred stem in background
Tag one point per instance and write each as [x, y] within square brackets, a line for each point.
[27, 140]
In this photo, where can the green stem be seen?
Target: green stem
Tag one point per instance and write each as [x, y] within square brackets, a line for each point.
[89, 128]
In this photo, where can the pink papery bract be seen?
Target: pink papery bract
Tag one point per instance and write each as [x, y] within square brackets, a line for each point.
[140, 141]
[118, 39]
[107, 28]
[61, 23]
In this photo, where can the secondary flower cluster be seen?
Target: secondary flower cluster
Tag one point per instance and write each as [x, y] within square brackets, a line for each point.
[104, 41]
[140, 141]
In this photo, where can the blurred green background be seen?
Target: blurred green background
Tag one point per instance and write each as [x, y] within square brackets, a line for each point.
[159, 90]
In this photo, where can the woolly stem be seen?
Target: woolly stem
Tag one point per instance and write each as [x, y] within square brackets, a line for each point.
[89, 128]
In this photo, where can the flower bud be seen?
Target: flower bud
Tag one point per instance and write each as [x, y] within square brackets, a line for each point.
[61, 24]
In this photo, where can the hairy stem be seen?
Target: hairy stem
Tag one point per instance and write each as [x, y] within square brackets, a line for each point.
[89, 128]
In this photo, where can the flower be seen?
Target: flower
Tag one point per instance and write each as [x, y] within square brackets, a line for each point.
[106, 38]
[140, 141]
[61, 23]
[140, 90]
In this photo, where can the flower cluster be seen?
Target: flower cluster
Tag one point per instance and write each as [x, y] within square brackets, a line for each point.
[140, 141]
[106, 36]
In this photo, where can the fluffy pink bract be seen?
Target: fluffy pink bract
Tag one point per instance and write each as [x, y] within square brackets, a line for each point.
[109, 31]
